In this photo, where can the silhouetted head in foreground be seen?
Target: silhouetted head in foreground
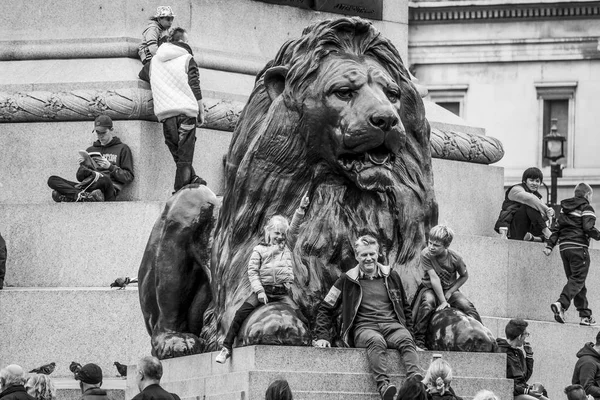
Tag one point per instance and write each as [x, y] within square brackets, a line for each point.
[412, 389]
[279, 390]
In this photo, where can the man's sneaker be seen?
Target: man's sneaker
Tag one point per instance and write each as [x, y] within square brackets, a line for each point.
[223, 355]
[559, 312]
[587, 321]
[388, 392]
[60, 198]
[95, 195]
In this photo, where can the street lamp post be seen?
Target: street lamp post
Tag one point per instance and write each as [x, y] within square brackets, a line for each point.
[554, 149]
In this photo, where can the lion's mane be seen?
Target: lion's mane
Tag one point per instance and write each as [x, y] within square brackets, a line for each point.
[271, 163]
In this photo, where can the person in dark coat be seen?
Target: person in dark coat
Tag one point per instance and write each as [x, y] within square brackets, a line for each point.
[148, 381]
[12, 384]
[519, 366]
[90, 380]
[587, 368]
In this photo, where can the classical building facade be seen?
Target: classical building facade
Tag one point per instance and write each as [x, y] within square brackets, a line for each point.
[511, 66]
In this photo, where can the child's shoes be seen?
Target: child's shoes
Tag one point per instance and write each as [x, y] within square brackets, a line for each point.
[559, 312]
[587, 321]
[223, 355]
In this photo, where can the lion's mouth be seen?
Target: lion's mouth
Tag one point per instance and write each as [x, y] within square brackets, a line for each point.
[375, 157]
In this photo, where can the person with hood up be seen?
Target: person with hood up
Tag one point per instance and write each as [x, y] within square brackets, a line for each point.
[105, 177]
[587, 368]
[575, 226]
[519, 366]
[175, 83]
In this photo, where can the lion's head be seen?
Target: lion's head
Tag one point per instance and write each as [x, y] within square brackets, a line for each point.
[334, 114]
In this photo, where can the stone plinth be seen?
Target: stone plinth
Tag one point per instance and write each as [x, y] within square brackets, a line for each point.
[312, 373]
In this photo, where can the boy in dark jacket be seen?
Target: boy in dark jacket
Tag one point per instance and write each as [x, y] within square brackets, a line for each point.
[111, 173]
[374, 313]
[519, 366]
[587, 368]
[572, 233]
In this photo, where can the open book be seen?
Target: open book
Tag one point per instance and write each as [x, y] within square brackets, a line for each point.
[89, 158]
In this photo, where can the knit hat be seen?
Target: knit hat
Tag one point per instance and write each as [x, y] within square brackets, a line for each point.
[90, 373]
[163, 11]
[103, 123]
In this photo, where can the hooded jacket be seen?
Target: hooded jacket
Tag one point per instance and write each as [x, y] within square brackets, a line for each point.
[120, 158]
[347, 293]
[518, 367]
[175, 82]
[587, 370]
[575, 225]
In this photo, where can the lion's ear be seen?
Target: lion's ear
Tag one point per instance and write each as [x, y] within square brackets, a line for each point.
[275, 81]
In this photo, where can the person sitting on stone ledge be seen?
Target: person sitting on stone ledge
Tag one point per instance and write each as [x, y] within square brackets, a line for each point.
[12, 379]
[279, 390]
[156, 33]
[149, 374]
[375, 314]
[519, 360]
[103, 178]
[438, 379]
[41, 387]
[445, 274]
[523, 213]
[270, 271]
[90, 380]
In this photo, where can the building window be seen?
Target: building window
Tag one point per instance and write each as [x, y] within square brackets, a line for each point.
[557, 101]
[450, 97]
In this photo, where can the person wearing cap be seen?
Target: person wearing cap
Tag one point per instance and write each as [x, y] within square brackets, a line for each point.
[149, 373]
[90, 380]
[156, 33]
[12, 383]
[113, 170]
[177, 97]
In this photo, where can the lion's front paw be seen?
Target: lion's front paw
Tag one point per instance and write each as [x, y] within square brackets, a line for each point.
[275, 323]
[176, 344]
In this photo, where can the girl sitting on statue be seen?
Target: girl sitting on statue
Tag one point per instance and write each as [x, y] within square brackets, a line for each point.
[270, 271]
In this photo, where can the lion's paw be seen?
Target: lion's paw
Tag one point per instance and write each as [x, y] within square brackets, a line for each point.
[275, 323]
[176, 344]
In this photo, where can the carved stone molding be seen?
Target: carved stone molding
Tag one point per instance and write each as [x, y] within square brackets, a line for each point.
[136, 104]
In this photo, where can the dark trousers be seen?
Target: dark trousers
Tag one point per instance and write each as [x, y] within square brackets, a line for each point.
[576, 262]
[526, 219]
[3, 255]
[251, 303]
[426, 304]
[70, 189]
[377, 338]
[180, 138]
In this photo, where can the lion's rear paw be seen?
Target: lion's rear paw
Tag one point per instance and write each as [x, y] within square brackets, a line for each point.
[176, 344]
[275, 323]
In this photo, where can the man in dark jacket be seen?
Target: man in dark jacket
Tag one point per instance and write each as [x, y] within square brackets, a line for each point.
[587, 368]
[103, 178]
[12, 384]
[90, 380]
[519, 366]
[148, 381]
[375, 314]
[576, 224]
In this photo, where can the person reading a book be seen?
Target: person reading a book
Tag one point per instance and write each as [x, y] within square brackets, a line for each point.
[104, 169]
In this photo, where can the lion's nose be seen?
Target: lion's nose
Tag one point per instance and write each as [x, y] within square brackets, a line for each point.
[384, 120]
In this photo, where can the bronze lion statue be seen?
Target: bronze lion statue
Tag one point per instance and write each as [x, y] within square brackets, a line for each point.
[334, 115]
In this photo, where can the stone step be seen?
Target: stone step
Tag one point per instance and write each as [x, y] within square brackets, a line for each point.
[99, 325]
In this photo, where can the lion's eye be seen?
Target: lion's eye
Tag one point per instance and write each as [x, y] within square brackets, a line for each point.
[344, 93]
[393, 95]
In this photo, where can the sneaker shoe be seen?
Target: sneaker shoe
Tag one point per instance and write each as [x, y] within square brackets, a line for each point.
[60, 198]
[223, 355]
[93, 196]
[559, 312]
[388, 392]
[587, 321]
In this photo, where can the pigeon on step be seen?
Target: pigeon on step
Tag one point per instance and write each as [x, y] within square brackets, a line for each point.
[122, 369]
[45, 369]
[122, 282]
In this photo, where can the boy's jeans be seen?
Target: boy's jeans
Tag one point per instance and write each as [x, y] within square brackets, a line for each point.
[576, 262]
[180, 138]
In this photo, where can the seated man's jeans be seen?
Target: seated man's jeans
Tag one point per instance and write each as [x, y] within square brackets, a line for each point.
[526, 219]
[426, 305]
[377, 338]
[70, 189]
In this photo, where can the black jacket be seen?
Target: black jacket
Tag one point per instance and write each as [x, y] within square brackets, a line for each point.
[155, 392]
[510, 207]
[15, 392]
[121, 160]
[347, 293]
[576, 224]
[587, 370]
[94, 394]
[518, 367]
